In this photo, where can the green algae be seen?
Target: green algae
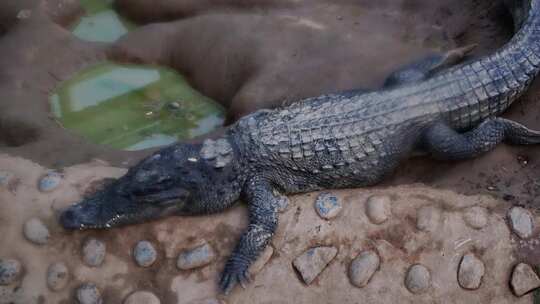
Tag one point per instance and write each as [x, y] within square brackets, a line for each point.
[101, 23]
[133, 107]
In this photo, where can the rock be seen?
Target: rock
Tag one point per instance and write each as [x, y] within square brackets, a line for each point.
[428, 218]
[144, 253]
[196, 257]
[57, 276]
[312, 262]
[521, 221]
[378, 208]
[418, 279]
[476, 217]
[283, 203]
[363, 267]
[24, 14]
[5, 178]
[36, 232]
[10, 271]
[88, 293]
[524, 279]
[174, 105]
[93, 252]
[142, 297]
[327, 205]
[470, 273]
[50, 181]
[262, 260]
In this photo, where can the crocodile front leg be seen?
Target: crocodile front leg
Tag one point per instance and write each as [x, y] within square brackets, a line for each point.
[447, 144]
[263, 220]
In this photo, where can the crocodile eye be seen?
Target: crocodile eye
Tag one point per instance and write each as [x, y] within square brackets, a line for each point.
[150, 181]
[146, 176]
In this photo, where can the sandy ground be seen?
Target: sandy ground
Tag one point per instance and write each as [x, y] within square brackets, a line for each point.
[250, 57]
[398, 242]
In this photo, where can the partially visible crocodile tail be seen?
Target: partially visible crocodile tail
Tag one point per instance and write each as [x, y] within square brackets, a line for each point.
[527, 21]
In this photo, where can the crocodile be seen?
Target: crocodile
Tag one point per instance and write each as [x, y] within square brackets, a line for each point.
[339, 140]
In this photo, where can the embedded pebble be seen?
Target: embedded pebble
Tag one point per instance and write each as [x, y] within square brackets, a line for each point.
[57, 276]
[36, 232]
[470, 273]
[10, 271]
[144, 253]
[283, 203]
[521, 221]
[312, 262]
[524, 279]
[428, 218]
[174, 105]
[89, 294]
[50, 181]
[327, 205]
[196, 257]
[24, 14]
[418, 279]
[5, 177]
[93, 252]
[378, 208]
[363, 267]
[476, 217]
[142, 297]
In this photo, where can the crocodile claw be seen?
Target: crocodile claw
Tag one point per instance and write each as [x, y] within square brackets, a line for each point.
[231, 277]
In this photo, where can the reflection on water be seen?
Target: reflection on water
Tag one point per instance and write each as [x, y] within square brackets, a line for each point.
[101, 23]
[134, 107]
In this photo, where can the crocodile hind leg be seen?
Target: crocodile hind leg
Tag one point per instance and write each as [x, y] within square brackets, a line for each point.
[422, 69]
[263, 219]
[447, 144]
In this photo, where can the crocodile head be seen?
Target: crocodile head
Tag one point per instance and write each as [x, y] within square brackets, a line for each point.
[175, 180]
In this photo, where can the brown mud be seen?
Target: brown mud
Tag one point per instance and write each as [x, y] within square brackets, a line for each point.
[246, 57]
